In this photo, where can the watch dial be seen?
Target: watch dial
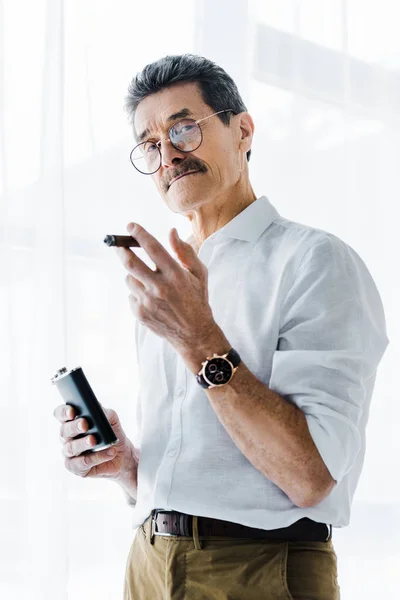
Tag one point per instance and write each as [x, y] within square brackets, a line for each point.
[218, 371]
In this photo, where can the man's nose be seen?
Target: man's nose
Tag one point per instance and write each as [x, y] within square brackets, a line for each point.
[169, 154]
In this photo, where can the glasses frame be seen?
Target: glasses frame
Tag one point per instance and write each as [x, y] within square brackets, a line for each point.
[168, 138]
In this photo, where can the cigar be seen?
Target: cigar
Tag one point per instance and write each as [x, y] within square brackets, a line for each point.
[124, 241]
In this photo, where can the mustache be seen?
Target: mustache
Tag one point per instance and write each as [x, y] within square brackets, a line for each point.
[189, 166]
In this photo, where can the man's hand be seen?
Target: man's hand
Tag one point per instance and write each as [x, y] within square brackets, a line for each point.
[121, 465]
[172, 301]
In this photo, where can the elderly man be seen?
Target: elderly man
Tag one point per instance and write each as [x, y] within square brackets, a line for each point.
[258, 347]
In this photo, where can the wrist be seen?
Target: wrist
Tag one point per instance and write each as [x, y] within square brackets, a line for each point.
[127, 478]
[216, 342]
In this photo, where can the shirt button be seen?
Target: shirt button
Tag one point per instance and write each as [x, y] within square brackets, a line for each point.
[179, 393]
[171, 452]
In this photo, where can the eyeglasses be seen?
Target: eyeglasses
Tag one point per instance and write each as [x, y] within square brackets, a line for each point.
[185, 136]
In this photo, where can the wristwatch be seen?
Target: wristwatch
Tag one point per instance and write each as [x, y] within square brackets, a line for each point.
[218, 369]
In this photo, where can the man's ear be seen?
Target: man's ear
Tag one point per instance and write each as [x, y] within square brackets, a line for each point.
[246, 131]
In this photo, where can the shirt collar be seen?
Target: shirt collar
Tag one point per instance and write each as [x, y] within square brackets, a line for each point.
[249, 224]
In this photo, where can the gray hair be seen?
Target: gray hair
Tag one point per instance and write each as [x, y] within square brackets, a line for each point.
[217, 88]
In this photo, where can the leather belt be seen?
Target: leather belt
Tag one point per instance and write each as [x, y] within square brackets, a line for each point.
[174, 523]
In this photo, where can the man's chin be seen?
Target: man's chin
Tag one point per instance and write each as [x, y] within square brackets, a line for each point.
[189, 193]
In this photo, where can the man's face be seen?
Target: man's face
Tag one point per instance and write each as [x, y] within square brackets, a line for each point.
[216, 160]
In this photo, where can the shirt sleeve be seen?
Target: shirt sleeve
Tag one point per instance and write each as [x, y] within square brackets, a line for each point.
[332, 337]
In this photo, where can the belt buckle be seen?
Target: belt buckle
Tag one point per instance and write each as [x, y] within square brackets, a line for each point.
[153, 524]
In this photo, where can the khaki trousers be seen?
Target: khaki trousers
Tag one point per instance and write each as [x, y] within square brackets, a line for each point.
[198, 568]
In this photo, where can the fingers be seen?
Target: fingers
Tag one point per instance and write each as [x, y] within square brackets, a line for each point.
[78, 458]
[82, 465]
[71, 429]
[70, 426]
[158, 254]
[64, 412]
[75, 447]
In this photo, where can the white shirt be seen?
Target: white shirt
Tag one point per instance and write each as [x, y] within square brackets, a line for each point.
[302, 310]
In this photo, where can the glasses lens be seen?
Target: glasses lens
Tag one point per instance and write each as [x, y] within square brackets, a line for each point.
[185, 135]
[146, 158]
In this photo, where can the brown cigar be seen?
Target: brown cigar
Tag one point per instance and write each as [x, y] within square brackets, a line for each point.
[124, 241]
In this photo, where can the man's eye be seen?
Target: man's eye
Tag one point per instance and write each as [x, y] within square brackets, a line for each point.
[184, 129]
[178, 130]
[150, 148]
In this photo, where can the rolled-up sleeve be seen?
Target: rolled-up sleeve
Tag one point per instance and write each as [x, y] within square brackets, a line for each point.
[332, 337]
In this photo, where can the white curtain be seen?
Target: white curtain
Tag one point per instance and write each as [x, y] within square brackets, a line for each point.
[321, 79]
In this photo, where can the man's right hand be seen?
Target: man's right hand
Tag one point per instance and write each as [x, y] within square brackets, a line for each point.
[121, 466]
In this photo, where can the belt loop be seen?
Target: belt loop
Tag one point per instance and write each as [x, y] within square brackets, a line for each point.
[153, 517]
[195, 527]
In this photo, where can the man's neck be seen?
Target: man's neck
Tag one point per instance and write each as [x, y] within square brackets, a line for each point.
[232, 209]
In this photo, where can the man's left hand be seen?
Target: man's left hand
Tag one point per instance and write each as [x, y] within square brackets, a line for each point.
[172, 300]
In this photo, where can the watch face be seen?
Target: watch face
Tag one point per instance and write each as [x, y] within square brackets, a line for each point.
[218, 370]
